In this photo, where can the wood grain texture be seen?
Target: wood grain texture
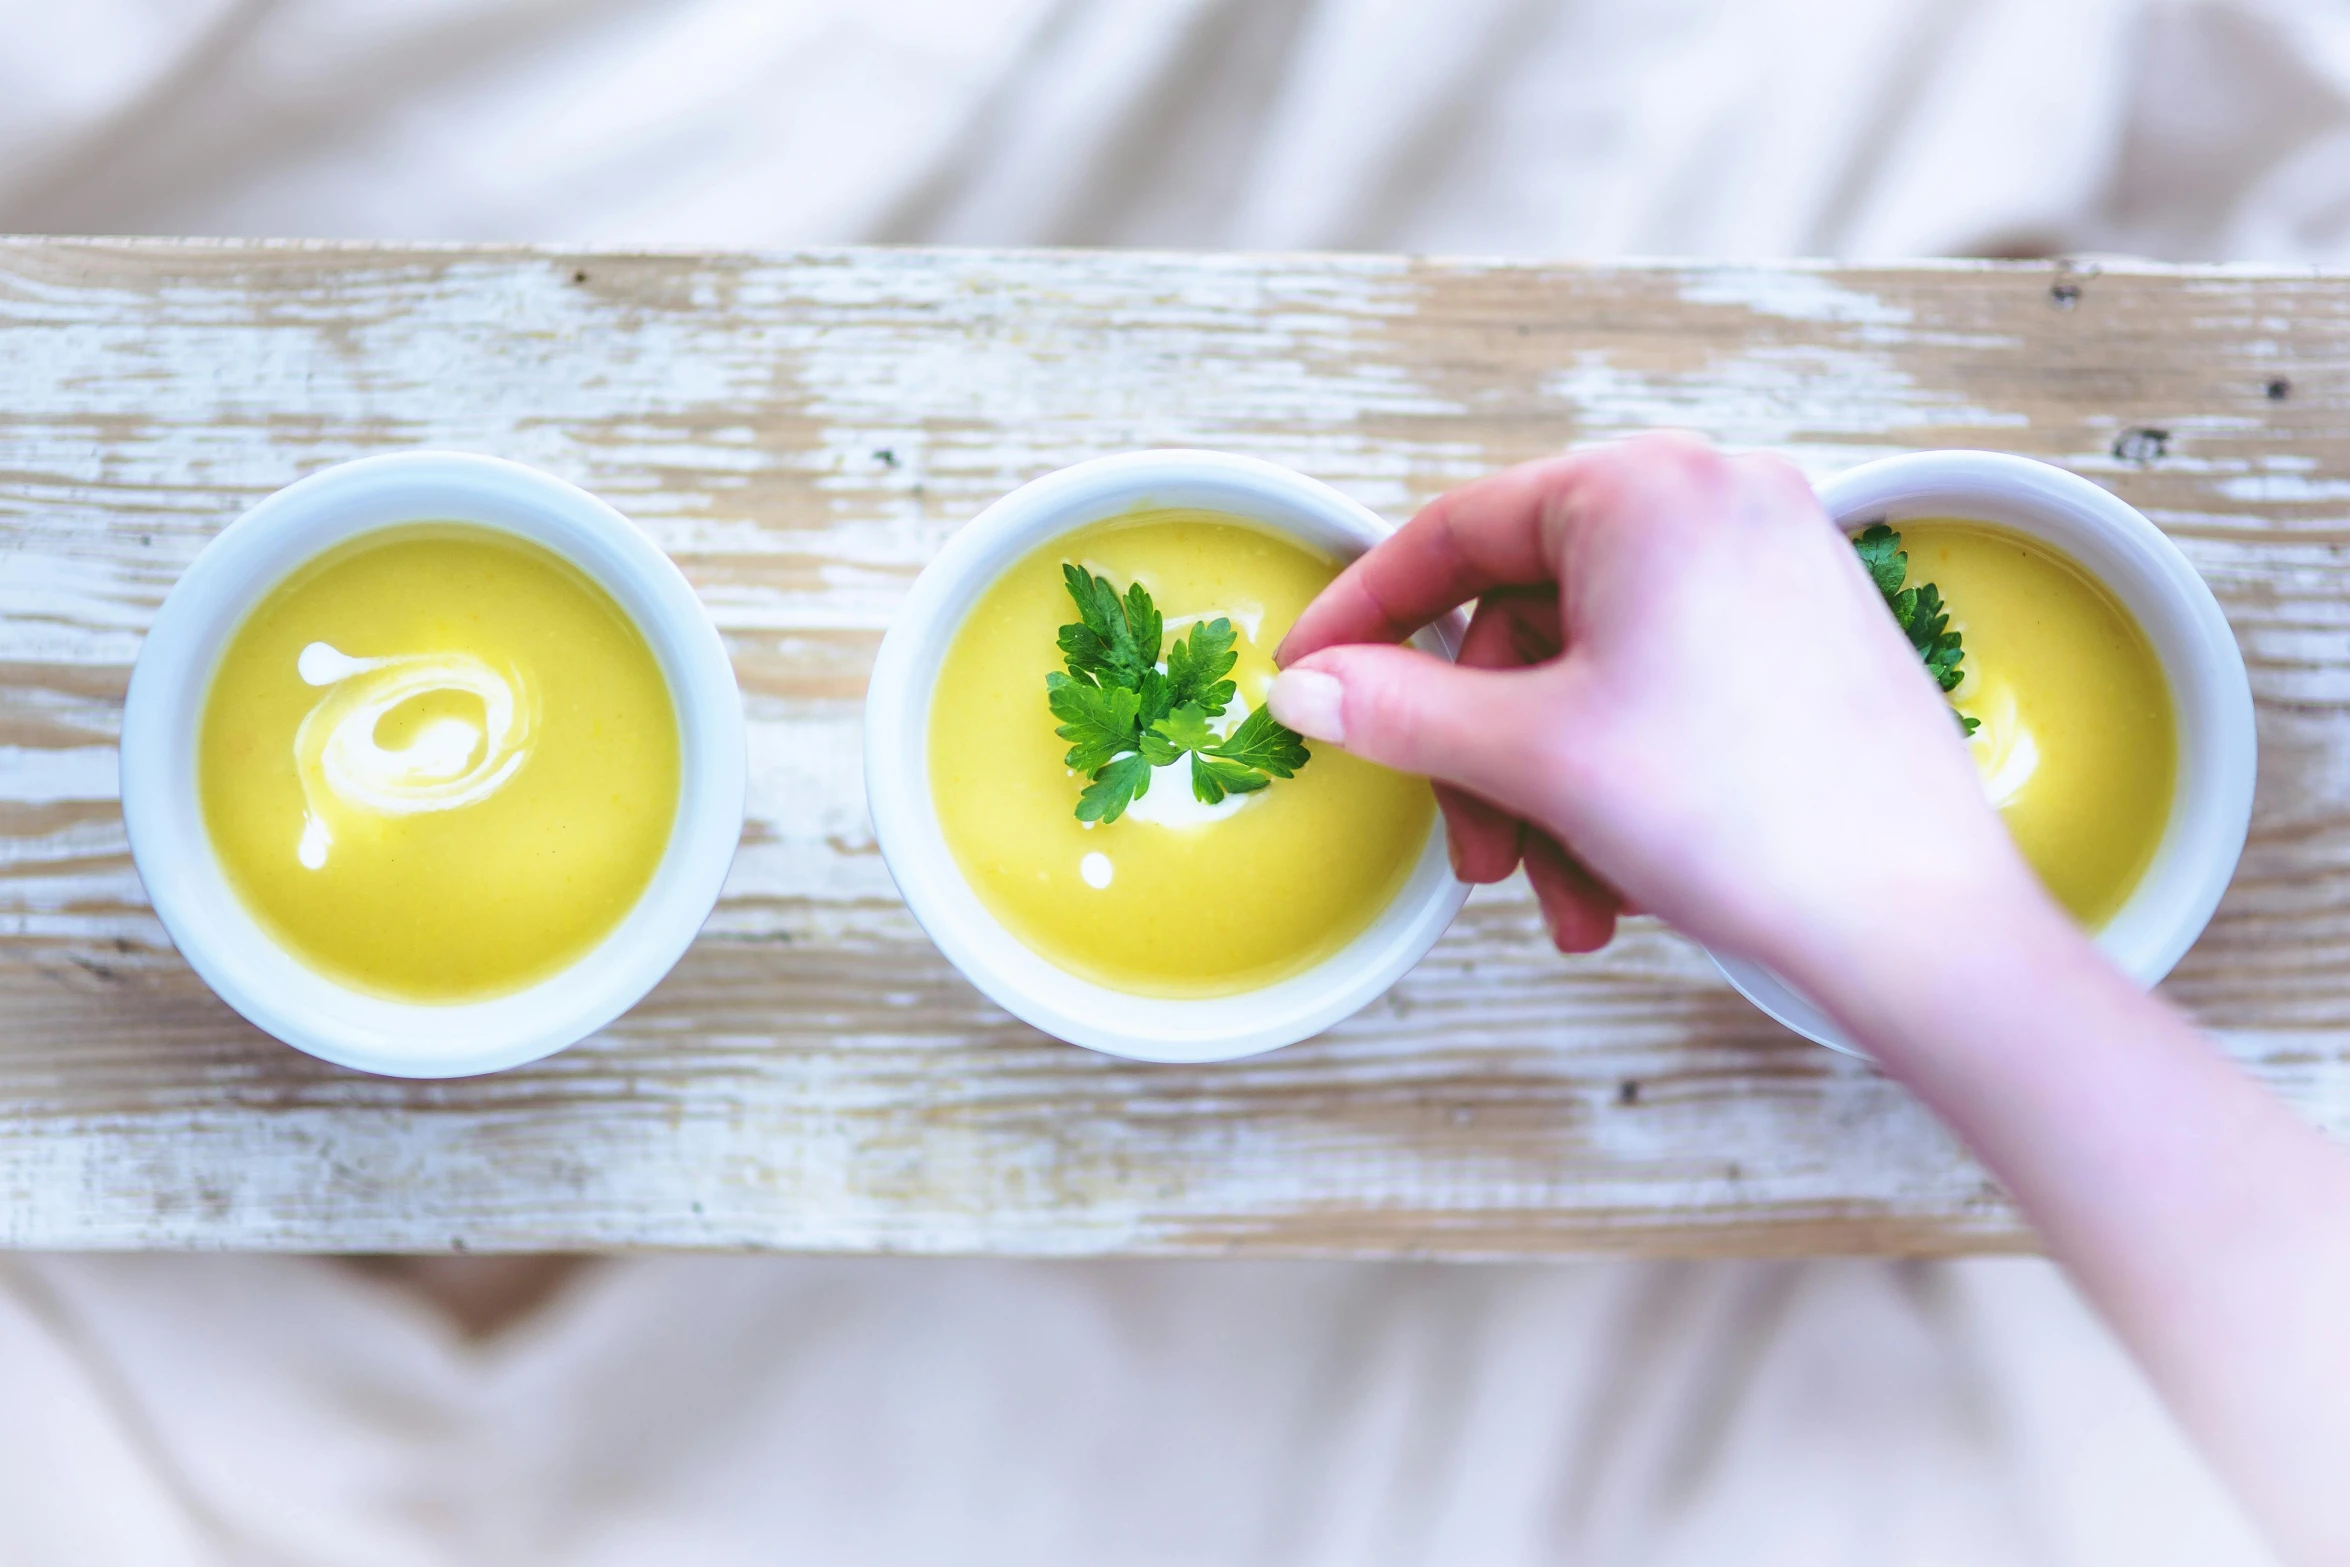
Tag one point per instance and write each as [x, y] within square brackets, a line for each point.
[801, 432]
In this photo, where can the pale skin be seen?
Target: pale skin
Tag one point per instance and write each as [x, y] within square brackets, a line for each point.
[1681, 694]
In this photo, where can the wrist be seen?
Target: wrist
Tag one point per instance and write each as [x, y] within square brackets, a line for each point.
[1901, 975]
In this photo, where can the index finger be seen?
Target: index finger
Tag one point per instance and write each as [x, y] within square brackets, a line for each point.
[1487, 534]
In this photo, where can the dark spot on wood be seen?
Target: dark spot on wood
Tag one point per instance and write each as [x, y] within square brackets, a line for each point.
[93, 966]
[457, 1243]
[697, 1207]
[1628, 1092]
[579, 276]
[2064, 295]
[146, 540]
[886, 456]
[2279, 389]
[2141, 444]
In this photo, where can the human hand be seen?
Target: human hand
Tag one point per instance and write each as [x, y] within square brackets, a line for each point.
[1679, 691]
[1679, 672]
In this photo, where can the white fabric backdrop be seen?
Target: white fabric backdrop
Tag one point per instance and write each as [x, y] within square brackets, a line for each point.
[165, 1412]
[206, 1410]
[2187, 129]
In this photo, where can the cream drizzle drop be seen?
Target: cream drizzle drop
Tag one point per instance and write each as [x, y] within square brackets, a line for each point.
[447, 763]
[2006, 755]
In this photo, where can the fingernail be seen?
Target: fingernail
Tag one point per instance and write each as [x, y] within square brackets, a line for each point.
[1309, 702]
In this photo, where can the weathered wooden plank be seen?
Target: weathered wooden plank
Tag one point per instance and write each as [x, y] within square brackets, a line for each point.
[801, 431]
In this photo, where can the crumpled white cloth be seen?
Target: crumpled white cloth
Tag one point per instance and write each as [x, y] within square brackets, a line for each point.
[165, 1410]
[2184, 129]
[1556, 128]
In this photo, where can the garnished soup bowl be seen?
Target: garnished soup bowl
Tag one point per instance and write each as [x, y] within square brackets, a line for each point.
[177, 860]
[2211, 698]
[906, 820]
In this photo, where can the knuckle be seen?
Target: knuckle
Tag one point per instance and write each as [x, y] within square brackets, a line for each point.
[1684, 454]
[1599, 487]
[1776, 477]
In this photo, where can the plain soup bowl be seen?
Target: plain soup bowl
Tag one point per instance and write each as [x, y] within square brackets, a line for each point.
[905, 819]
[191, 894]
[2211, 699]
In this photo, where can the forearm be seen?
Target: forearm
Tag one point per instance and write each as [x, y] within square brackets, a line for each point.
[2203, 1218]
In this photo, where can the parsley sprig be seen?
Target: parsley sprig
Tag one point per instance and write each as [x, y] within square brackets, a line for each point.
[1919, 611]
[1123, 715]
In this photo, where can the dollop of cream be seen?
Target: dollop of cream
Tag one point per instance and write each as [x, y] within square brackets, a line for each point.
[1170, 803]
[447, 763]
[2006, 755]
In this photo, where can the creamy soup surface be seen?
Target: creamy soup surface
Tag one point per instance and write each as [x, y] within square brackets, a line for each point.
[438, 763]
[1174, 898]
[2077, 746]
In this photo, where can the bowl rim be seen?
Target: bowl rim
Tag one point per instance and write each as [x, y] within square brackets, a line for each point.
[2211, 693]
[905, 824]
[171, 682]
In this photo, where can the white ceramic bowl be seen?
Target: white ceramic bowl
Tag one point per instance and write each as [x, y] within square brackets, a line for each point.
[897, 771]
[211, 925]
[2211, 808]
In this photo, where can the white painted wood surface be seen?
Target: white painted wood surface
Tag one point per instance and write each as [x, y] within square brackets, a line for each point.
[801, 431]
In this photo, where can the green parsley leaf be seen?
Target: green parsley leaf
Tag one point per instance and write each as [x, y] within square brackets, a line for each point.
[1114, 788]
[1156, 748]
[1098, 721]
[1197, 665]
[1153, 698]
[1186, 728]
[1123, 716]
[1880, 551]
[1142, 623]
[1104, 646]
[1212, 778]
[1918, 611]
[1938, 647]
[1266, 744]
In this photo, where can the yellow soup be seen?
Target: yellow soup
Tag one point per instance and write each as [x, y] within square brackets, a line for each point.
[1174, 898]
[2077, 746]
[438, 763]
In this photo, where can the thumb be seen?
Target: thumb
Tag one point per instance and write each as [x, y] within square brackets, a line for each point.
[1478, 728]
